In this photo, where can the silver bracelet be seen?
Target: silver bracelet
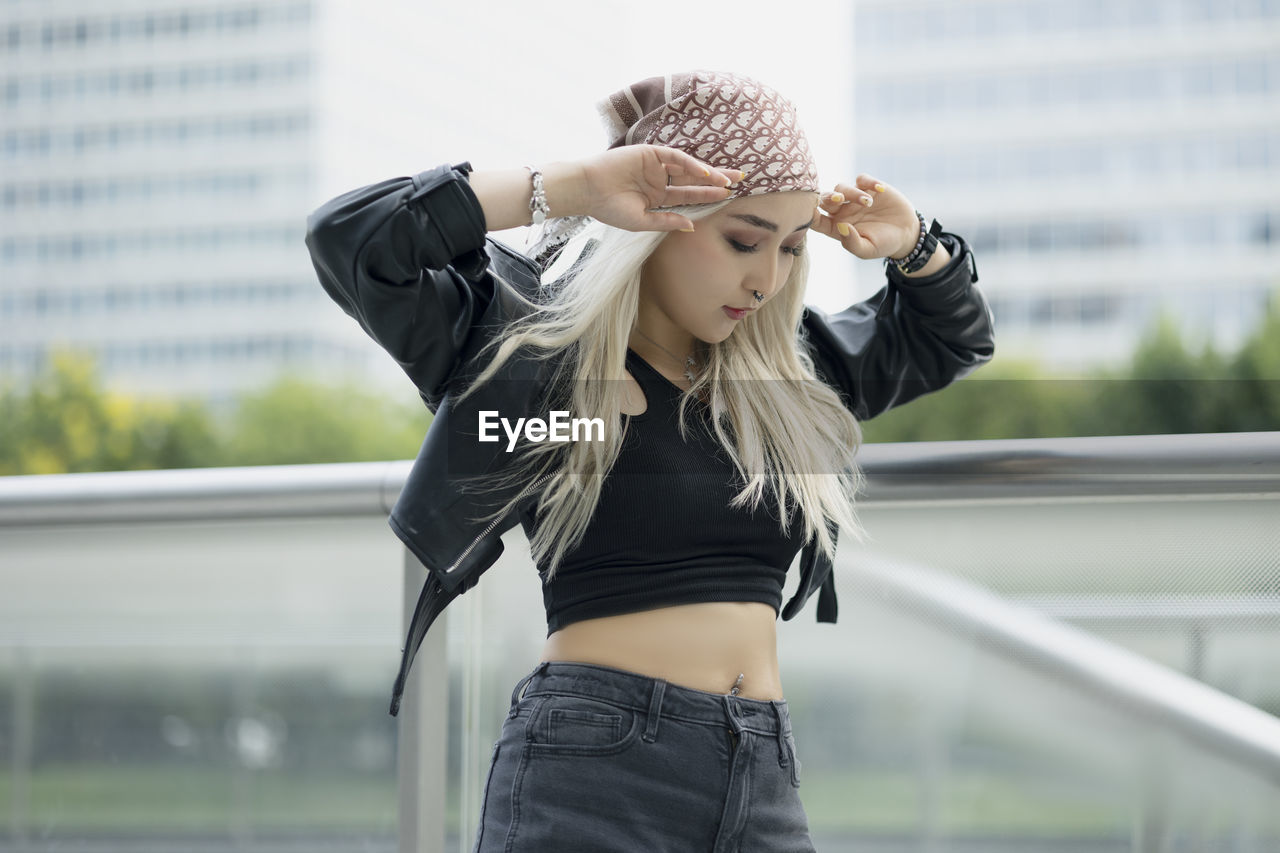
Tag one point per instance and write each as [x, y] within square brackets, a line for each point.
[538, 203]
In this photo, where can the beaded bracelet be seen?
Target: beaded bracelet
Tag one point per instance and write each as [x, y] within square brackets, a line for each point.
[914, 253]
[926, 245]
[538, 203]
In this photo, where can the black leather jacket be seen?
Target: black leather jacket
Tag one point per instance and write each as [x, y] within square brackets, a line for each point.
[409, 259]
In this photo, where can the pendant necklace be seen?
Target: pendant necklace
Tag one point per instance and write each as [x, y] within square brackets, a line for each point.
[688, 362]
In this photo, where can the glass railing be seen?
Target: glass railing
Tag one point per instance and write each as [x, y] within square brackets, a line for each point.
[197, 660]
[1048, 645]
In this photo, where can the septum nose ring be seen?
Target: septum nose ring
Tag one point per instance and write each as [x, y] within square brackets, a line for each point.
[759, 296]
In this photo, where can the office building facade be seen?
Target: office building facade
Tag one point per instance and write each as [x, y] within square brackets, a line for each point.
[1109, 160]
[157, 162]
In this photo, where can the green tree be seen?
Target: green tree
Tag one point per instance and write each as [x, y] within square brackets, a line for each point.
[65, 423]
[1005, 399]
[293, 421]
[1168, 387]
[1257, 366]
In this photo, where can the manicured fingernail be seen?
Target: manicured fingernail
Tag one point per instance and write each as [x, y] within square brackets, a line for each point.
[866, 199]
[687, 230]
[838, 198]
[879, 188]
[706, 173]
[843, 228]
[742, 176]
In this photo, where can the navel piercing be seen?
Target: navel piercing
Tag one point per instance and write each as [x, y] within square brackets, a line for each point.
[737, 684]
[759, 296]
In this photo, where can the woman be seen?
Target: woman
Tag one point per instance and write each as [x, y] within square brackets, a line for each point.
[672, 267]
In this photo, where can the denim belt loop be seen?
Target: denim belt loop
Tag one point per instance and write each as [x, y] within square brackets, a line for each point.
[518, 691]
[783, 758]
[655, 710]
[731, 713]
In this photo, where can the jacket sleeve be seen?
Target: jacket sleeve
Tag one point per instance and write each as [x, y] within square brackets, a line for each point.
[407, 259]
[914, 336]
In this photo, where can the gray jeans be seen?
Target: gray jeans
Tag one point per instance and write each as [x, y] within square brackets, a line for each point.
[597, 759]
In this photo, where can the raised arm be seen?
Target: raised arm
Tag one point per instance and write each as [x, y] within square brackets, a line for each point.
[409, 260]
[916, 335]
[406, 258]
[919, 333]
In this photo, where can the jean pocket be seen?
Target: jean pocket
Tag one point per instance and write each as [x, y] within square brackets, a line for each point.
[576, 724]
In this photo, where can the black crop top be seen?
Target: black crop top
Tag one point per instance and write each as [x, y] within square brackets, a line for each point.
[663, 532]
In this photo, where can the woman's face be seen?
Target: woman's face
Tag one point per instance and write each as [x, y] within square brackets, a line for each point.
[691, 278]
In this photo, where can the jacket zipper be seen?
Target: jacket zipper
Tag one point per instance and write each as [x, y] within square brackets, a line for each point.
[492, 525]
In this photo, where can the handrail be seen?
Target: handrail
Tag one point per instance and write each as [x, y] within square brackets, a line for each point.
[277, 491]
[962, 471]
[1124, 679]
[1130, 465]
[1159, 610]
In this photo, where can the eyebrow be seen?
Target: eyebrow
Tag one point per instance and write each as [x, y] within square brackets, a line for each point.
[752, 219]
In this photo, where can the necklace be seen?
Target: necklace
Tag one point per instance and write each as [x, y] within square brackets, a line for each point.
[688, 362]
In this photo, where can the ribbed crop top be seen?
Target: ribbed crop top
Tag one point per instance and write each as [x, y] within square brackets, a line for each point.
[663, 531]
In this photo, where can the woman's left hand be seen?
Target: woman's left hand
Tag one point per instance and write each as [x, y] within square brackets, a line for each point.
[887, 227]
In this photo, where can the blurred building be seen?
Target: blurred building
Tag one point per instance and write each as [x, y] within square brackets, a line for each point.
[158, 158]
[157, 162]
[1107, 159]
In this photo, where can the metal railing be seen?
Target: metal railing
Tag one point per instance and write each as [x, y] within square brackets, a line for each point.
[1221, 724]
[1151, 465]
[927, 474]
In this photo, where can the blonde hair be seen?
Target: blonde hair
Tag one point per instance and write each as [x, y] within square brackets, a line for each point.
[797, 442]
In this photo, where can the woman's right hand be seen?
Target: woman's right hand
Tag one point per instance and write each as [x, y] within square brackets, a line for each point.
[622, 186]
[619, 187]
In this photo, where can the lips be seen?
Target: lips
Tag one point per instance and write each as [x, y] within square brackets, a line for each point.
[736, 313]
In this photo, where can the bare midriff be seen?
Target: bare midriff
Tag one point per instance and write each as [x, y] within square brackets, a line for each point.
[703, 646]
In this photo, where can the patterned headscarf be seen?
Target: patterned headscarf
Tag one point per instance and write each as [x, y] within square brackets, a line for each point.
[726, 120]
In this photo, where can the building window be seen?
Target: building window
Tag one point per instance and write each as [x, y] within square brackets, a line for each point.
[1262, 227]
[1041, 313]
[1096, 309]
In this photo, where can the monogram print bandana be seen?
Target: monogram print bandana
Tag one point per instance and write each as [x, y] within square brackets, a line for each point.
[727, 120]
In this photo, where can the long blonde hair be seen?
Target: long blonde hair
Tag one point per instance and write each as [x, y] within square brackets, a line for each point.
[797, 441]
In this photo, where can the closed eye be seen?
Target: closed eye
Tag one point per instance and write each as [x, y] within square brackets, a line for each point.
[743, 247]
